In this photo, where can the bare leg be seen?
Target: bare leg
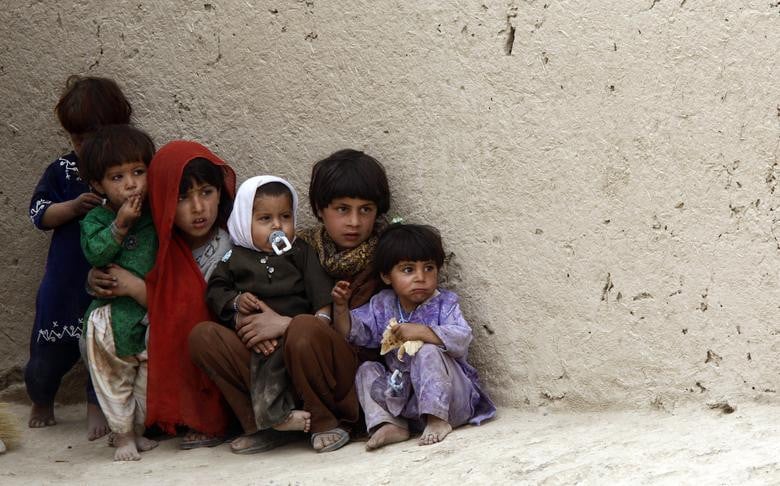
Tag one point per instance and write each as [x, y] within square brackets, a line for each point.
[97, 426]
[126, 450]
[41, 415]
[387, 434]
[297, 420]
[435, 431]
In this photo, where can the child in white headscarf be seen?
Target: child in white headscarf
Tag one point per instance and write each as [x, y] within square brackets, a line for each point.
[268, 267]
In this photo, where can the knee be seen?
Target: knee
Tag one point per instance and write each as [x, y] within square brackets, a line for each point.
[303, 333]
[199, 340]
[427, 355]
[428, 351]
[369, 371]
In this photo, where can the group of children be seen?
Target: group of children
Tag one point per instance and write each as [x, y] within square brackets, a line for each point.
[171, 248]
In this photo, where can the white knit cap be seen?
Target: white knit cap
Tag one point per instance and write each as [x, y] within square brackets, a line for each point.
[240, 220]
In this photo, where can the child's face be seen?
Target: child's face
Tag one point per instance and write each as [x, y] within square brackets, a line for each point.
[349, 221]
[122, 181]
[196, 213]
[269, 214]
[413, 282]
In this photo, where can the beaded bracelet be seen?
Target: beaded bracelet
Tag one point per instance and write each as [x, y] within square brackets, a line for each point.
[115, 231]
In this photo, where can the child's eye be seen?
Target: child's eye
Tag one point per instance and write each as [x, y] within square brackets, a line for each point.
[207, 192]
[407, 269]
[116, 177]
[429, 268]
[139, 172]
[367, 209]
[287, 216]
[342, 209]
[182, 197]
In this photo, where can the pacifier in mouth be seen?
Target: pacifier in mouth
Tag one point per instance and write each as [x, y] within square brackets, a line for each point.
[279, 242]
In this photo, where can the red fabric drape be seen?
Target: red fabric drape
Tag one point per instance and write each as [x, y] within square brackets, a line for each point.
[178, 392]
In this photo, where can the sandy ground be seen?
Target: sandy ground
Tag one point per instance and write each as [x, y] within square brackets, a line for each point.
[694, 445]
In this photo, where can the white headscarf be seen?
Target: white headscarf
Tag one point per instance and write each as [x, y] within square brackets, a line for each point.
[240, 220]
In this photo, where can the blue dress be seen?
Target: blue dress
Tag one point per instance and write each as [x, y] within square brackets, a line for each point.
[62, 298]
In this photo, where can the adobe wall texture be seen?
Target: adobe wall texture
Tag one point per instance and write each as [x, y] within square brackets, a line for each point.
[604, 173]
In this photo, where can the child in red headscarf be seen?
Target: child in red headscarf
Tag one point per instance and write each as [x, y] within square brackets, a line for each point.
[190, 193]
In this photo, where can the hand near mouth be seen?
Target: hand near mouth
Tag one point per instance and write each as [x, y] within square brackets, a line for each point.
[128, 213]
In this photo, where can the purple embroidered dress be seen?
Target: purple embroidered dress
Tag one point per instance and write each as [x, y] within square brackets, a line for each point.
[436, 381]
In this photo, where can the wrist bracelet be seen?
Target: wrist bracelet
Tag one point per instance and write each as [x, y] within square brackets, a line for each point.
[115, 230]
[235, 302]
[323, 315]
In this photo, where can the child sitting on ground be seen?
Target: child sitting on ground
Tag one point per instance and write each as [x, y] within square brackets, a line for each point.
[435, 387]
[114, 160]
[60, 200]
[269, 263]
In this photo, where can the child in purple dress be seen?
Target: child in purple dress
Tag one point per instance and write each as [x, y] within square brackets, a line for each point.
[435, 387]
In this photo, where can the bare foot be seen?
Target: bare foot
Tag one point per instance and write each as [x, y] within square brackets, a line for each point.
[297, 420]
[143, 444]
[41, 415]
[435, 431]
[126, 449]
[387, 434]
[97, 426]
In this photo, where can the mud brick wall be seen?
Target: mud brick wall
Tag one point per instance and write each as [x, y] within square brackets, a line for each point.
[604, 173]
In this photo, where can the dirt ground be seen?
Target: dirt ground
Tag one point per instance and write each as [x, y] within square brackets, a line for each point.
[693, 445]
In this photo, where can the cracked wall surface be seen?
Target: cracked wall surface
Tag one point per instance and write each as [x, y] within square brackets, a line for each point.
[604, 173]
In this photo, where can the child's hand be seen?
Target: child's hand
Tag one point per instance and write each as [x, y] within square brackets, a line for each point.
[85, 202]
[266, 347]
[341, 293]
[129, 212]
[412, 332]
[248, 303]
[404, 332]
[102, 282]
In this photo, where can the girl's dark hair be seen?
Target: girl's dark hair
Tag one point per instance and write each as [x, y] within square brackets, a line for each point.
[273, 189]
[113, 145]
[348, 173]
[203, 171]
[407, 242]
[88, 103]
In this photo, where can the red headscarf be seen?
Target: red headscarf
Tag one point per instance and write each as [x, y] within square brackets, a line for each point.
[179, 393]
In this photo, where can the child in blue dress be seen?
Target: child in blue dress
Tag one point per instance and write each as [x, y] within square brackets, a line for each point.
[59, 202]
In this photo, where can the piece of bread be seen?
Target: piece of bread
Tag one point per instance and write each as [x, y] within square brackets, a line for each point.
[390, 342]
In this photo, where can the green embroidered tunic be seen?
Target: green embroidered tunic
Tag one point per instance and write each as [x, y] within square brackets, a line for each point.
[136, 254]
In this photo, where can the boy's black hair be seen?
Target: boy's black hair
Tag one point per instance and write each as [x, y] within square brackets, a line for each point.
[273, 189]
[113, 145]
[348, 173]
[407, 242]
[90, 102]
[203, 171]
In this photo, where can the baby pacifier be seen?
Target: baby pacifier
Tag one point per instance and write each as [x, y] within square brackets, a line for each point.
[279, 242]
[395, 381]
